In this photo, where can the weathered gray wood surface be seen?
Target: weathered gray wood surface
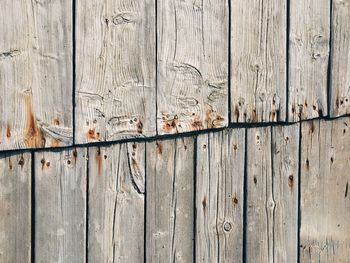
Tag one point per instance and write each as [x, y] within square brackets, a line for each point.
[325, 197]
[116, 203]
[15, 207]
[35, 74]
[116, 61]
[170, 201]
[192, 88]
[60, 206]
[340, 59]
[308, 58]
[219, 196]
[259, 56]
[272, 195]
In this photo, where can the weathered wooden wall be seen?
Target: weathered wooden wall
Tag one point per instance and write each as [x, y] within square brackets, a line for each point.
[262, 194]
[182, 131]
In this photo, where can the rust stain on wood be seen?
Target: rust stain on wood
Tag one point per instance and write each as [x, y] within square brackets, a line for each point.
[99, 160]
[55, 143]
[213, 119]
[291, 181]
[21, 161]
[93, 135]
[204, 204]
[159, 148]
[32, 134]
[8, 130]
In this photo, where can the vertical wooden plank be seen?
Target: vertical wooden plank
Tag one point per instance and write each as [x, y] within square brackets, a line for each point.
[35, 74]
[272, 194]
[116, 93]
[285, 173]
[325, 197]
[116, 203]
[15, 207]
[192, 88]
[60, 205]
[219, 197]
[170, 197]
[309, 51]
[340, 59]
[258, 52]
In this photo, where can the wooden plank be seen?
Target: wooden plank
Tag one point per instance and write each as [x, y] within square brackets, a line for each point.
[170, 201]
[308, 64]
[219, 197]
[258, 53]
[35, 74]
[116, 91]
[60, 205]
[15, 207]
[340, 59]
[192, 87]
[325, 196]
[116, 203]
[272, 194]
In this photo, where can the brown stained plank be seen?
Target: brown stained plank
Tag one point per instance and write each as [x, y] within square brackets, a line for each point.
[219, 197]
[170, 197]
[60, 205]
[192, 88]
[308, 64]
[15, 207]
[116, 93]
[35, 74]
[258, 54]
[340, 59]
[271, 194]
[116, 203]
[325, 197]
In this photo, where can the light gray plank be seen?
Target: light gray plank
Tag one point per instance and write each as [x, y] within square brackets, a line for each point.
[35, 74]
[219, 197]
[116, 203]
[115, 85]
[285, 174]
[60, 206]
[340, 59]
[272, 194]
[170, 197]
[308, 64]
[325, 196]
[258, 53]
[192, 88]
[15, 207]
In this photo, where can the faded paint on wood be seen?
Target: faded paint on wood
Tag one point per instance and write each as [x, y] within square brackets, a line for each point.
[272, 194]
[219, 197]
[170, 201]
[259, 59]
[192, 88]
[340, 59]
[35, 74]
[116, 203]
[308, 60]
[60, 205]
[116, 93]
[15, 208]
[325, 196]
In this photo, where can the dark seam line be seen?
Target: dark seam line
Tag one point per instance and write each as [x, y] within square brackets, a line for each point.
[171, 136]
[156, 60]
[245, 195]
[229, 60]
[87, 207]
[299, 192]
[145, 241]
[73, 67]
[329, 68]
[287, 58]
[195, 148]
[32, 209]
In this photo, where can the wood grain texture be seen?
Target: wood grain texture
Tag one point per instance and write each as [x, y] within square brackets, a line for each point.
[170, 201]
[272, 194]
[35, 74]
[258, 54]
[116, 203]
[60, 206]
[15, 208]
[308, 64]
[192, 87]
[219, 197]
[325, 196]
[340, 59]
[116, 61]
